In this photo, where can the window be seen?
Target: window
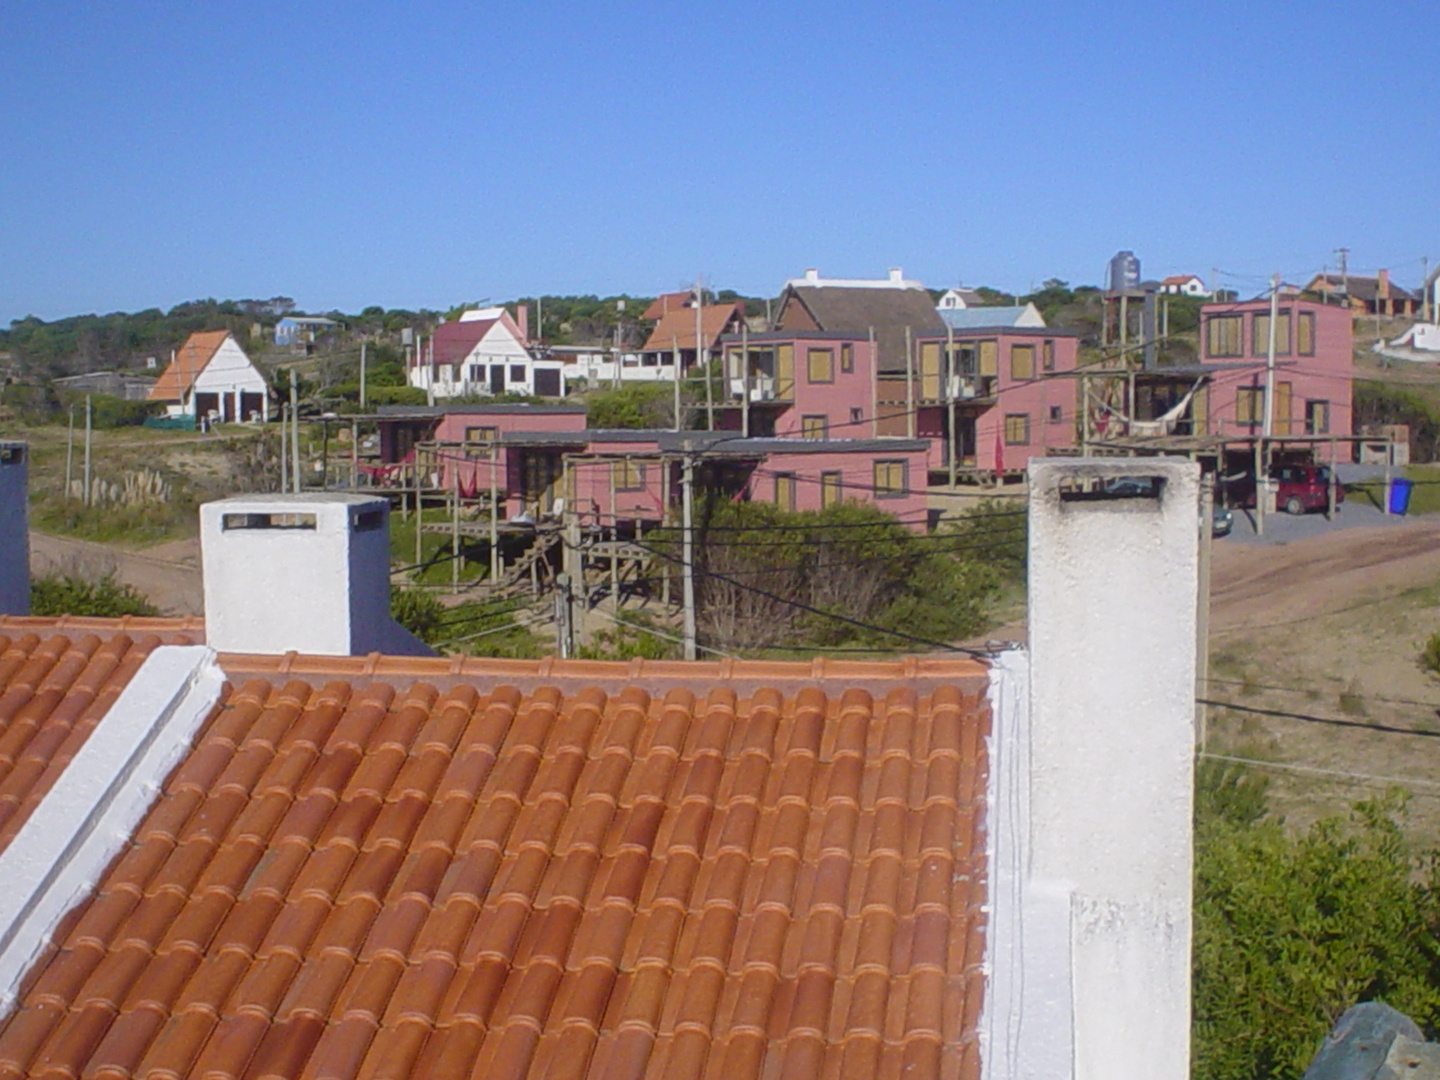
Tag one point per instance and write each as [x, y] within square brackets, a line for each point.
[517, 372]
[856, 415]
[1022, 362]
[1017, 429]
[814, 427]
[820, 365]
[989, 358]
[1305, 333]
[1047, 356]
[892, 479]
[1057, 414]
[830, 489]
[477, 373]
[785, 491]
[847, 358]
[1249, 405]
[1260, 335]
[629, 475]
[482, 434]
[1317, 416]
[1225, 335]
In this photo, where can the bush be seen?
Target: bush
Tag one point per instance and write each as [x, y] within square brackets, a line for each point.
[70, 594]
[393, 395]
[636, 405]
[417, 611]
[1430, 655]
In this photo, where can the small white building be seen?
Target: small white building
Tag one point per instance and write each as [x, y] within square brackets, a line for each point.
[1184, 285]
[484, 352]
[210, 377]
[959, 298]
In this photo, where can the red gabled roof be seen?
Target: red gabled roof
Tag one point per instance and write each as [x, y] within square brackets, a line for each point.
[190, 360]
[454, 341]
[374, 867]
[1179, 279]
[665, 303]
[677, 329]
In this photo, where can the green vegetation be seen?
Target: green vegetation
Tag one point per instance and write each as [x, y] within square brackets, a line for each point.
[1430, 655]
[843, 577]
[478, 629]
[1292, 928]
[1384, 403]
[102, 597]
[634, 637]
[1424, 496]
[634, 405]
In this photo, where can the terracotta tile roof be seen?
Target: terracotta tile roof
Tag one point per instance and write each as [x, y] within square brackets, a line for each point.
[668, 302]
[374, 875]
[190, 360]
[54, 689]
[676, 328]
[167, 630]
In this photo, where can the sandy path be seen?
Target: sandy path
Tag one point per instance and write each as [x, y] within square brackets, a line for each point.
[169, 574]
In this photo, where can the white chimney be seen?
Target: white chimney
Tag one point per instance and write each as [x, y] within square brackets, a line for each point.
[897, 276]
[14, 529]
[812, 274]
[308, 573]
[1091, 781]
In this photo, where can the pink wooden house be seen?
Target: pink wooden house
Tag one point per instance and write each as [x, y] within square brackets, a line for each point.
[1314, 358]
[799, 384]
[1001, 384]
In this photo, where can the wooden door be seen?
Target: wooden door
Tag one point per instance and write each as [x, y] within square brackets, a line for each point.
[1284, 399]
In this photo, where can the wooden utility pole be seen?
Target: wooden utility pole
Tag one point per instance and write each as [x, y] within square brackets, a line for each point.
[687, 548]
[701, 353]
[874, 388]
[362, 376]
[909, 383]
[1267, 424]
[455, 529]
[69, 454]
[951, 386]
[89, 428]
[675, 363]
[294, 434]
[284, 448]
[745, 379]
[494, 515]
[354, 454]
[615, 539]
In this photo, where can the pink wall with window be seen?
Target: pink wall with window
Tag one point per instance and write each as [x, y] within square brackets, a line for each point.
[1314, 367]
[803, 481]
[838, 406]
[454, 425]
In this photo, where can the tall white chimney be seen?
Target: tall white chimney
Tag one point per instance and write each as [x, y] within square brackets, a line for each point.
[308, 573]
[1091, 781]
[14, 528]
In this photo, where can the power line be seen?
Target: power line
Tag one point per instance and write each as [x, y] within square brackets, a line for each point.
[1311, 690]
[1316, 771]
[1333, 721]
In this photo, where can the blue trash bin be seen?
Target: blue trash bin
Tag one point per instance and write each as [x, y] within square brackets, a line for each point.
[1400, 495]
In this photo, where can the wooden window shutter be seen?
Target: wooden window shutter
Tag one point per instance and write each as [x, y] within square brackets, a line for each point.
[930, 370]
[989, 358]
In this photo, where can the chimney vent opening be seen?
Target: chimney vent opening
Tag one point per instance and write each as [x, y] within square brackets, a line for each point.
[231, 522]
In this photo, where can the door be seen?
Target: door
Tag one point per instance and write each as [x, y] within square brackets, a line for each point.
[539, 471]
[205, 404]
[251, 404]
[497, 378]
[829, 489]
[785, 491]
[1284, 398]
[547, 382]
[228, 402]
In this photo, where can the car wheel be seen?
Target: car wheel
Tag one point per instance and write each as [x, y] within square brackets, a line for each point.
[1293, 505]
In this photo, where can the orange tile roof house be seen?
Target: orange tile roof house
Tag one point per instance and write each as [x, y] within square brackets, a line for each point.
[211, 377]
[225, 864]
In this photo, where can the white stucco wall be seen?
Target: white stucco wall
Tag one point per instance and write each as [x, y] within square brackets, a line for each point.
[87, 817]
[14, 528]
[229, 370]
[322, 590]
[1099, 820]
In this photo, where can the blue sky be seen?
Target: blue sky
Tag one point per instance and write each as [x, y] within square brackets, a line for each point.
[434, 153]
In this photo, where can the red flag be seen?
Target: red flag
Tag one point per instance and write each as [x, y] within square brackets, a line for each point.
[999, 449]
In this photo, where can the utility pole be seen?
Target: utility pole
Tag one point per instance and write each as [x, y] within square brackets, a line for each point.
[494, 515]
[564, 629]
[1267, 424]
[909, 383]
[745, 379]
[675, 364]
[1344, 254]
[284, 447]
[89, 427]
[1202, 605]
[699, 323]
[69, 454]
[874, 388]
[687, 549]
[952, 382]
[362, 376]
[294, 434]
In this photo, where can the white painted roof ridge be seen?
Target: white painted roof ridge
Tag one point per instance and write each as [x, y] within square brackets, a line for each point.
[91, 812]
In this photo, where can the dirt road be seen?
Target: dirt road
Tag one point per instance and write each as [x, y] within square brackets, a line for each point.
[168, 574]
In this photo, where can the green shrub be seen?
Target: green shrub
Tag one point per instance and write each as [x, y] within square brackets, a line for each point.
[417, 611]
[634, 405]
[103, 597]
[1430, 655]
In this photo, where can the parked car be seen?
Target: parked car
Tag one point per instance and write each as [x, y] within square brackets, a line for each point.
[1298, 489]
[1221, 521]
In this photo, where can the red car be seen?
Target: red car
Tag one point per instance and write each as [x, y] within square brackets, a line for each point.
[1298, 489]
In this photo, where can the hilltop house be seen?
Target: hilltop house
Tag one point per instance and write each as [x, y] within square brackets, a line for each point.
[675, 333]
[483, 352]
[282, 843]
[302, 329]
[211, 378]
[893, 309]
[1184, 285]
[1365, 295]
